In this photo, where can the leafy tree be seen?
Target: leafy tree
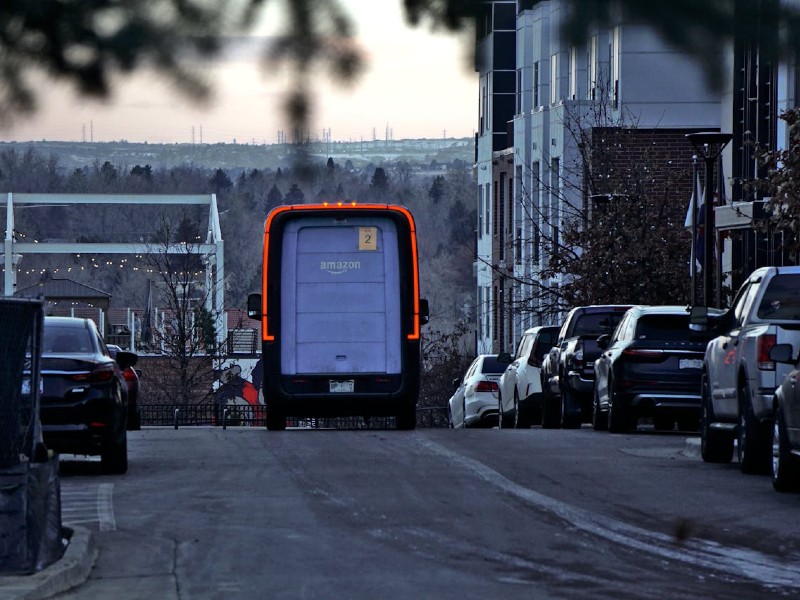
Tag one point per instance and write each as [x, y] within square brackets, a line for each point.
[782, 185]
[88, 44]
[220, 182]
[295, 195]
[146, 172]
[185, 334]
[380, 181]
[437, 189]
[274, 198]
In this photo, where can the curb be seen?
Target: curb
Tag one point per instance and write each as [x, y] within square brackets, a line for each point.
[70, 570]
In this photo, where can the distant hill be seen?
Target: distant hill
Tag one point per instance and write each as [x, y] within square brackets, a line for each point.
[72, 155]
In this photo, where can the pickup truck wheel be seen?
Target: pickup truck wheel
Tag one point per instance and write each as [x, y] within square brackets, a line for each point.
[551, 412]
[715, 446]
[754, 445]
[522, 419]
[663, 423]
[569, 421]
[599, 418]
[785, 469]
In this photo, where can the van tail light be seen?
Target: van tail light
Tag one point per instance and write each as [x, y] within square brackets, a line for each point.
[764, 343]
[486, 386]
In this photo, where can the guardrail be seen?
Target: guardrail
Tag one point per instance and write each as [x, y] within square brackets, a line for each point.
[217, 415]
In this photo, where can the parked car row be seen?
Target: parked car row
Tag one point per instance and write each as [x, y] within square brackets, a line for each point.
[732, 374]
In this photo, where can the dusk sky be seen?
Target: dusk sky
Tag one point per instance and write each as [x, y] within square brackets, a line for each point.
[417, 83]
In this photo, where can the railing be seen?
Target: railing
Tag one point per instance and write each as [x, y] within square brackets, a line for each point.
[217, 415]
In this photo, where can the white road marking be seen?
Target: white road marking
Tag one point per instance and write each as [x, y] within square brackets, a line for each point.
[95, 504]
[105, 507]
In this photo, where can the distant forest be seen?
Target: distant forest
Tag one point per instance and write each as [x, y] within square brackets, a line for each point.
[441, 196]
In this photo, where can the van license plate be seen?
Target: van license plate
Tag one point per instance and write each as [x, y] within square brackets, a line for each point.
[341, 387]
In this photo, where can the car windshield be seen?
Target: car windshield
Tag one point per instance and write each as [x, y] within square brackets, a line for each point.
[597, 323]
[66, 340]
[781, 300]
[490, 365]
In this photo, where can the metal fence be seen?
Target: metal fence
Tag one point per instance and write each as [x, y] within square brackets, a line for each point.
[217, 415]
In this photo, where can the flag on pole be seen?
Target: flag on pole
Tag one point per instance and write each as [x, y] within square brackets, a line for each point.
[694, 219]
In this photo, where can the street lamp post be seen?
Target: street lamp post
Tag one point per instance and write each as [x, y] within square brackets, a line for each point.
[708, 145]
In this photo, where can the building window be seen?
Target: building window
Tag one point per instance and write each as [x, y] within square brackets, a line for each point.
[494, 314]
[615, 62]
[592, 70]
[573, 73]
[518, 246]
[534, 211]
[555, 201]
[494, 209]
[484, 108]
[501, 213]
[554, 95]
[536, 85]
[487, 196]
[519, 91]
[482, 205]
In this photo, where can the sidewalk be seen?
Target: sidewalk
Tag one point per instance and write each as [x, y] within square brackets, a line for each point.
[70, 570]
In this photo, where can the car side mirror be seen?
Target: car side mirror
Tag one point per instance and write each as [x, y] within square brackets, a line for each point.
[456, 383]
[254, 306]
[698, 318]
[782, 353]
[126, 359]
[424, 311]
[603, 341]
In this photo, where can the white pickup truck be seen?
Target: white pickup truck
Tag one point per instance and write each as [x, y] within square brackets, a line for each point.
[739, 379]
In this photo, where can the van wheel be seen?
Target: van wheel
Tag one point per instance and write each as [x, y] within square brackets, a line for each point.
[406, 417]
[276, 419]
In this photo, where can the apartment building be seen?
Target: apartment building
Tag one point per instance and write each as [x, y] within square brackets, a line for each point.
[531, 160]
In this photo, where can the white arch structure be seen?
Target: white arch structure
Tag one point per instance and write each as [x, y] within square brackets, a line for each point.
[212, 251]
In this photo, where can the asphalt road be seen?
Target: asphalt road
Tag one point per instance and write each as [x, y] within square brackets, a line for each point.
[433, 513]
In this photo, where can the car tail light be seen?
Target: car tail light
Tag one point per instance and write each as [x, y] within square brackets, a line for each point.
[765, 342]
[486, 386]
[129, 375]
[101, 374]
[578, 355]
[642, 353]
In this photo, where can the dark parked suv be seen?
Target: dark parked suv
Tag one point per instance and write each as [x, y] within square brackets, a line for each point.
[650, 366]
[84, 406]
